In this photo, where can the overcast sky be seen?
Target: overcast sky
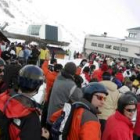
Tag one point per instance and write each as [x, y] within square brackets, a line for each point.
[93, 16]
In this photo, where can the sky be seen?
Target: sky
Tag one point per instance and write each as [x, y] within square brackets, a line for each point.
[77, 18]
[93, 16]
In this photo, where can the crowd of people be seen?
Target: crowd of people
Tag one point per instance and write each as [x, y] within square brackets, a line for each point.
[108, 87]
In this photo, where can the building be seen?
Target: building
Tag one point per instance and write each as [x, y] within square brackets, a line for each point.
[134, 33]
[117, 48]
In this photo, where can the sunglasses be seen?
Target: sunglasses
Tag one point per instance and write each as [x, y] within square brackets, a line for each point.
[130, 110]
[101, 98]
[1, 70]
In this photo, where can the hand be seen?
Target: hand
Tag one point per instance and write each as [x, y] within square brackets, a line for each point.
[45, 133]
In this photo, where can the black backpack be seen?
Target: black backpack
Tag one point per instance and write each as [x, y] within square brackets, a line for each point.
[60, 128]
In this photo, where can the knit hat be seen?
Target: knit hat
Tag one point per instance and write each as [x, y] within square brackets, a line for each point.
[70, 68]
[128, 98]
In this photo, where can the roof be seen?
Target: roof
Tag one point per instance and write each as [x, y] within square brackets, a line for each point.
[137, 28]
[33, 38]
[3, 37]
[56, 50]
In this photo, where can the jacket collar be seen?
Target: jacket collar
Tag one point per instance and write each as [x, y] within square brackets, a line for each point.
[91, 107]
[121, 117]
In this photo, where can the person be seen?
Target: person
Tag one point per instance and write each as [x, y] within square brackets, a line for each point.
[82, 64]
[85, 75]
[119, 126]
[3, 85]
[85, 124]
[62, 88]
[11, 73]
[50, 78]
[50, 75]
[19, 106]
[110, 104]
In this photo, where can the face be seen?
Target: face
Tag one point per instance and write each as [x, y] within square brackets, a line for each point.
[129, 111]
[1, 72]
[98, 99]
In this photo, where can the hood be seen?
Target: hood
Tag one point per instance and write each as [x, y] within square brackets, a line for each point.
[109, 85]
[91, 107]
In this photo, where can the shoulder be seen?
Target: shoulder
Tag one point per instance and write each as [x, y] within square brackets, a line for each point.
[88, 116]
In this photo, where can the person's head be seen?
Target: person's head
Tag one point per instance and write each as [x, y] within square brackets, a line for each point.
[70, 68]
[30, 79]
[83, 62]
[2, 64]
[127, 104]
[95, 93]
[78, 80]
[92, 67]
[58, 67]
[86, 69]
[106, 76]
[53, 61]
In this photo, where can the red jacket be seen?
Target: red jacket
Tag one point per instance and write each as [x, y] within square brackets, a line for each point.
[118, 127]
[97, 74]
[119, 76]
[137, 125]
[50, 78]
[25, 123]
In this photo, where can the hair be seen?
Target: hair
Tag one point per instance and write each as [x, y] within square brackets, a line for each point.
[106, 76]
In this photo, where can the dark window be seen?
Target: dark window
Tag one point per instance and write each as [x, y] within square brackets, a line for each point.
[94, 44]
[116, 47]
[123, 49]
[108, 46]
[101, 45]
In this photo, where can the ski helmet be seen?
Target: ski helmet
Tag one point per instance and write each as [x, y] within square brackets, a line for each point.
[30, 78]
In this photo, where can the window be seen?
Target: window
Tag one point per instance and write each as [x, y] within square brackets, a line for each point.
[108, 46]
[123, 49]
[116, 48]
[101, 45]
[132, 35]
[94, 44]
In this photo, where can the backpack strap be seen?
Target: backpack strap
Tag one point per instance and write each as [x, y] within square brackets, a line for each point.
[7, 102]
[72, 90]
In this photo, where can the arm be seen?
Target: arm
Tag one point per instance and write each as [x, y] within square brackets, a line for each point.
[45, 67]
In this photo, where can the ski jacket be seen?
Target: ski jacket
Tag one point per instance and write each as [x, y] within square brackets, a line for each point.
[50, 78]
[85, 124]
[118, 127]
[25, 124]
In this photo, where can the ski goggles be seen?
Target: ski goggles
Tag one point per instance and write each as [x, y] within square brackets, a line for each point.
[99, 97]
[130, 110]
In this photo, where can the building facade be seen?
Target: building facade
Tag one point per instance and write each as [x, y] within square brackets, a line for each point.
[118, 48]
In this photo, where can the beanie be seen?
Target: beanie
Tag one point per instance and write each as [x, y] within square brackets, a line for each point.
[70, 68]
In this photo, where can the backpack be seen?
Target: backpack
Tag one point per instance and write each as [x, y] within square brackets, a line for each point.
[60, 128]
